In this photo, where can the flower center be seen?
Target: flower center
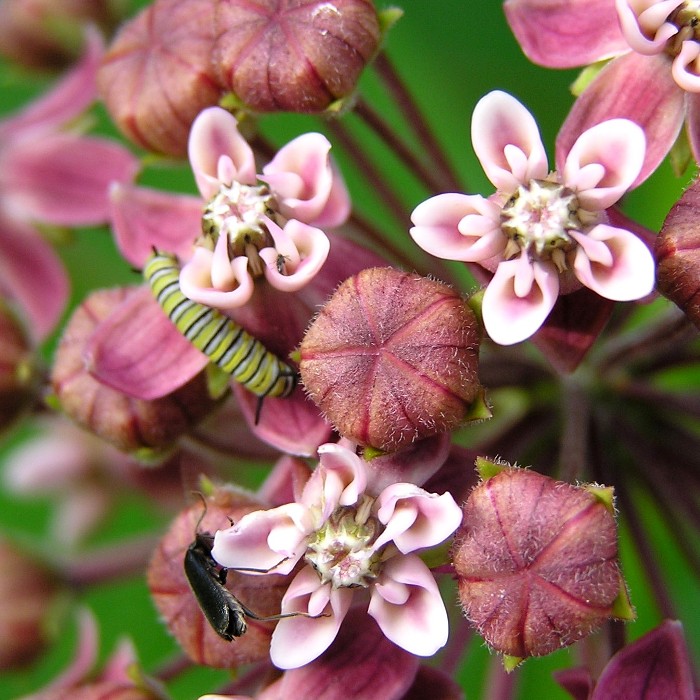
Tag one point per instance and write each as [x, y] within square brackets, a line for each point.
[237, 211]
[536, 219]
[342, 552]
[687, 18]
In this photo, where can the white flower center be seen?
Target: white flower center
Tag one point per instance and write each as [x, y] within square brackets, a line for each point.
[537, 219]
[341, 551]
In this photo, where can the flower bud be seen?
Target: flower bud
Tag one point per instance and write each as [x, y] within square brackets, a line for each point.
[132, 425]
[297, 57]
[536, 561]
[677, 252]
[48, 34]
[392, 358]
[156, 75]
[179, 608]
[27, 593]
[18, 376]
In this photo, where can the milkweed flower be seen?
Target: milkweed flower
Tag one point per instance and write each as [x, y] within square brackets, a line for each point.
[655, 52]
[349, 540]
[542, 233]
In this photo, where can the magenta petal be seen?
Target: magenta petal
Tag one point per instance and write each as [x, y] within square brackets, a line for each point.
[655, 666]
[565, 33]
[692, 123]
[576, 681]
[64, 179]
[138, 351]
[32, 274]
[635, 87]
[143, 219]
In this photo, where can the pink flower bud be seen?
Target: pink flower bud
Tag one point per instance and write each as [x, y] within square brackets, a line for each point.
[536, 561]
[130, 424]
[48, 34]
[677, 253]
[293, 56]
[18, 377]
[176, 602]
[157, 76]
[392, 358]
[27, 592]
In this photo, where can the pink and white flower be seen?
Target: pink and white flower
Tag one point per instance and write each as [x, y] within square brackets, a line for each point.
[350, 540]
[542, 234]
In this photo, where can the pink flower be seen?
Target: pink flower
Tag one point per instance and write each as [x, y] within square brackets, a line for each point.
[349, 540]
[653, 79]
[542, 234]
[54, 177]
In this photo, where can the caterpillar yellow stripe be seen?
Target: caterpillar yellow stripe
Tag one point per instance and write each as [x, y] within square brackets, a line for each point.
[221, 339]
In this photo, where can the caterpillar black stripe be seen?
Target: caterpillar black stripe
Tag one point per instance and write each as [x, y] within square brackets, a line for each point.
[226, 344]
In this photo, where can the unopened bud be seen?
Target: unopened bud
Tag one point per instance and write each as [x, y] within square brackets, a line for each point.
[174, 598]
[392, 358]
[27, 594]
[157, 76]
[133, 425]
[536, 561]
[299, 57]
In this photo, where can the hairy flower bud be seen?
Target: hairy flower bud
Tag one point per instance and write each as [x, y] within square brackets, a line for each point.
[18, 376]
[156, 75]
[295, 56]
[392, 358]
[48, 34]
[176, 602]
[27, 591]
[132, 425]
[677, 253]
[536, 561]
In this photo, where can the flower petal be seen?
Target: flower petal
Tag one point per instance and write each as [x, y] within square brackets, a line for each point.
[618, 145]
[414, 518]
[458, 227]
[638, 23]
[684, 67]
[218, 153]
[512, 312]
[144, 219]
[623, 273]
[634, 87]
[407, 606]
[307, 188]
[265, 540]
[298, 640]
[565, 33]
[507, 141]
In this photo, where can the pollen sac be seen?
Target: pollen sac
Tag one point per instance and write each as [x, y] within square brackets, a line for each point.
[536, 561]
[157, 76]
[176, 601]
[392, 358]
[677, 252]
[300, 56]
[142, 428]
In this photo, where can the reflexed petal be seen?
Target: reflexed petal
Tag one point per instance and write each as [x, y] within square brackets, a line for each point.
[507, 141]
[217, 150]
[264, 539]
[63, 179]
[307, 188]
[650, 22]
[565, 33]
[634, 87]
[685, 65]
[138, 351]
[407, 606]
[618, 145]
[32, 274]
[458, 227]
[144, 219]
[415, 518]
[628, 272]
[510, 316]
[298, 640]
[300, 251]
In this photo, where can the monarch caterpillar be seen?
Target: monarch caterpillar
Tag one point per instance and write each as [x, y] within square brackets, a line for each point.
[226, 344]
